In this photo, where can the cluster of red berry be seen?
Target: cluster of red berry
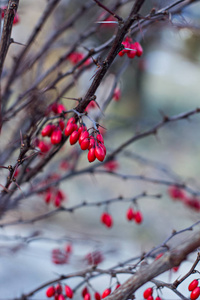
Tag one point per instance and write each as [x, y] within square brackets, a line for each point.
[54, 195]
[60, 257]
[16, 17]
[148, 295]
[53, 131]
[57, 292]
[76, 57]
[97, 296]
[131, 49]
[131, 215]
[177, 193]
[87, 295]
[93, 142]
[194, 289]
[134, 215]
[94, 258]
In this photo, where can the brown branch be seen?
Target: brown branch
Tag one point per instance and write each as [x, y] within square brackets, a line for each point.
[5, 40]
[7, 29]
[108, 10]
[172, 258]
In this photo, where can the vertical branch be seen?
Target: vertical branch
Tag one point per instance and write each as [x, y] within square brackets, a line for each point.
[7, 28]
[5, 38]
[138, 4]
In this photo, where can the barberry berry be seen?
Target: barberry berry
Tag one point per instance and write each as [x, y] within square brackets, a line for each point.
[193, 285]
[148, 292]
[106, 293]
[68, 292]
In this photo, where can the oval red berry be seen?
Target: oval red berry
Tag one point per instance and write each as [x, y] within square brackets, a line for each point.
[195, 293]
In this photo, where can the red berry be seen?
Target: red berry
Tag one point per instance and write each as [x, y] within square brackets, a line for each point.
[3, 8]
[52, 107]
[176, 193]
[148, 292]
[61, 108]
[193, 285]
[50, 291]
[111, 165]
[16, 172]
[87, 297]
[83, 135]
[60, 195]
[158, 256]
[106, 293]
[117, 94]
[58, 257]
[99, 153]
[117, 286]
[132, 53]
[121, 53]
[75, 57]
[68, 248]
[69, 129]
[16, 19]
[126, 44]
[81, 129]
[158, 298]
[92, 142]
[104, 148]
[61, 297]
[74, 137]
[57, 202]
[130, 215]
[138, 217]
[150, 298]
[71, 120]
[59, 288]
[91, 105]
[61, 124]
[99, 138]
[47, 198]
[43, 147]
[56, 136]
[195, 293]
[64, 165]
[139, 49]
[84, 291]
[68, 292]
[47, 130]
[97, 296]
[85, 144]
[91, 155]
[107, 220]
[175, 269]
